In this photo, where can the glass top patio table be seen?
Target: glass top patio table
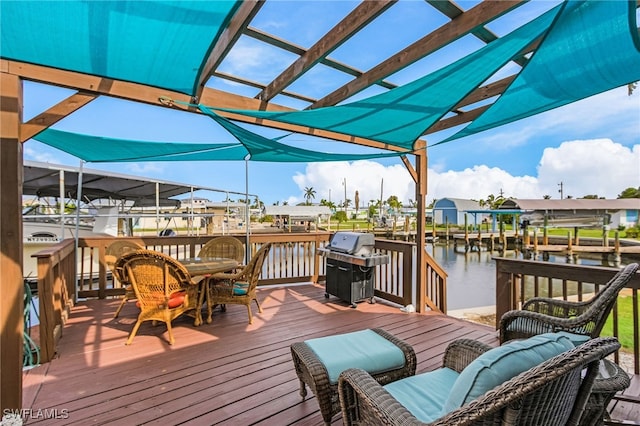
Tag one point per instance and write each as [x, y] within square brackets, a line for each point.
[197, 266]
[201, 267]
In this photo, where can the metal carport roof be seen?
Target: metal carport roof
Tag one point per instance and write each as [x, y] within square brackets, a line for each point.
[43, 180]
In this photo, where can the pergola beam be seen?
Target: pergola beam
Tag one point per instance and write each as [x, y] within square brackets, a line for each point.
[257, 85]
[240, 21]
[298, 50]
[456, 28]
[482, 33]
[345, 29]
[152, 95]
[54, 114]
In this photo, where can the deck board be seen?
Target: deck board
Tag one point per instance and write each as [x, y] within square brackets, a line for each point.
[227, 372]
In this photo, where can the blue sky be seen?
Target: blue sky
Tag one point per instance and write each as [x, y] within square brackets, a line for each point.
[592, 146]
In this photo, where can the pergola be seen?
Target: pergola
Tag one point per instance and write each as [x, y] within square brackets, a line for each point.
[172, 54]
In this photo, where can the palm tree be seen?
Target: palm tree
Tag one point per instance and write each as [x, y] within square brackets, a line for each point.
[394, 203]
[309, 193]
[329, 204]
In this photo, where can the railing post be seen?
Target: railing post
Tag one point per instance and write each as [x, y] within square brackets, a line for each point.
[316, 261]
[505, 292]
[46, 309]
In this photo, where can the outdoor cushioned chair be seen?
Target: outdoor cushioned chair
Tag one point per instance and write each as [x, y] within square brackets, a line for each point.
[163, 287]
[543, 380]
[114, 251]
[583, 320]
[239, 287]
[226, 247]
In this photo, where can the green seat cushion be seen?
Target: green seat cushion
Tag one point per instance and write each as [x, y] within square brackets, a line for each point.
[500, 364]
[363, 349]
[240, 288]
[424, 395]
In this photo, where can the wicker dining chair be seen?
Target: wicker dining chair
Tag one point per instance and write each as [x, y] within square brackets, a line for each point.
[552, 393]
[114, 251]
[239, 287]
[163, 287]
[226, 247]
[583, 319]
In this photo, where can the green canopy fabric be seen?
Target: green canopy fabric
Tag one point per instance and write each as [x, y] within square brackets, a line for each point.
[571, 64]
[162, 44]
[400, 116]
[99, 149]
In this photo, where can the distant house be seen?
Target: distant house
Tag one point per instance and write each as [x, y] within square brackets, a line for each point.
[453, 210]
[298, 218]
[576, 212]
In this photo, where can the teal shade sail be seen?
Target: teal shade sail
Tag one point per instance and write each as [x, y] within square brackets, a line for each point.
[571, 64]
[400, 116]
[161, 43]
[264, 149]
[99, 149]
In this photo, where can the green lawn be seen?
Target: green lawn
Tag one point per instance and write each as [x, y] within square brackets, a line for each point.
[625, 323]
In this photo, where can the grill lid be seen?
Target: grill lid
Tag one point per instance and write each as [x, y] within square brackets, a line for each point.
[356, 243]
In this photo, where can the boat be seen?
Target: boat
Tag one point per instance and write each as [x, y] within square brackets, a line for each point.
[40, 231]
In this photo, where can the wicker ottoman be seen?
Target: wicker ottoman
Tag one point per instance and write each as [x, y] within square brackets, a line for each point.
[318, 362]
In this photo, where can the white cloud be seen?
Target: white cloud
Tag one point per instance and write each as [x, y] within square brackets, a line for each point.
[366, 177]
[598, 166]
[610, 114]
[256, 61]
[145, 168]
[36, 155]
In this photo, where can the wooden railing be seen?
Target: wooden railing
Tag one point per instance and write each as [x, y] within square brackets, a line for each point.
[56, 291]
[518, 280]
[294, 258]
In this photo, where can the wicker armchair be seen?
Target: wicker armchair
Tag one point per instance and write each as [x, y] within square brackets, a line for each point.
[542, 315]
[551, 393]
[163, 287]
[114, 251]
[226, 247]
[239, 287]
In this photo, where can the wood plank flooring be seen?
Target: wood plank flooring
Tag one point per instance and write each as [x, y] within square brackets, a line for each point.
[224, 373]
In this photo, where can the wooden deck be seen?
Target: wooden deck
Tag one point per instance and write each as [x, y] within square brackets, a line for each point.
[227, 372]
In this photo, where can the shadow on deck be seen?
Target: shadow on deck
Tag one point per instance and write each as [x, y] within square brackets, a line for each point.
[227, 372]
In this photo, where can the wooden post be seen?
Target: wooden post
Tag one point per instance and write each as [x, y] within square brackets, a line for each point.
[420, 178]
[505, 292]
[11, 290]
[446, 228]
[433, 229]
[466, 234]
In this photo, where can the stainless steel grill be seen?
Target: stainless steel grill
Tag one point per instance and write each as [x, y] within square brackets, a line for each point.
[350, 261]
[355, 248]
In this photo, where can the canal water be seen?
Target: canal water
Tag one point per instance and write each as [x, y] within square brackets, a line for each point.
[471, 281]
